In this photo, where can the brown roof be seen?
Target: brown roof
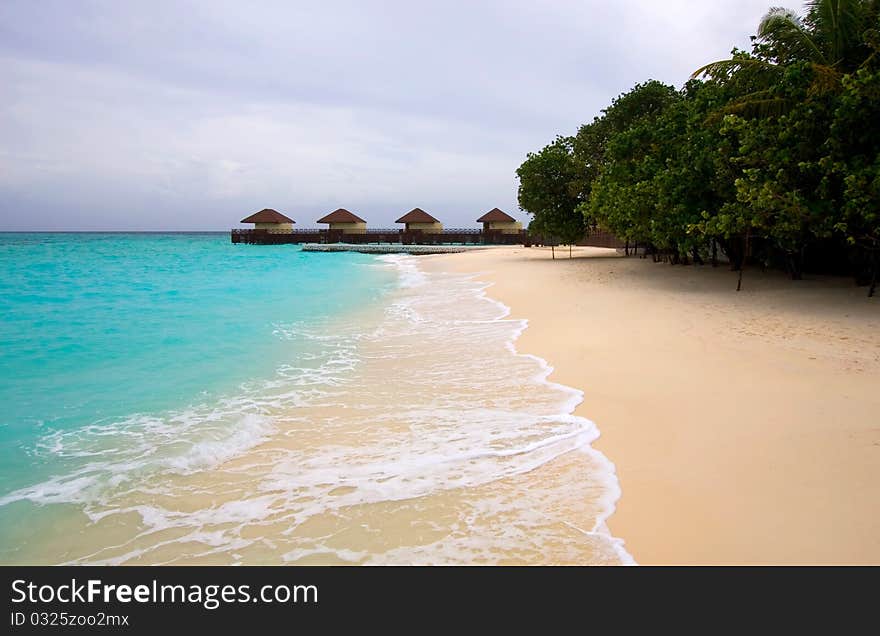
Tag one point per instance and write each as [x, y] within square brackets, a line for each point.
[341, 216]
[417, 215]
[495, 215]
[267, 216]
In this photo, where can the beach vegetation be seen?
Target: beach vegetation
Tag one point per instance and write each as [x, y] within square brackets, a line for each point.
[549, 190]
[771, 156]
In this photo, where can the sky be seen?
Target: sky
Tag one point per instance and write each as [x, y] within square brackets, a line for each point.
[191, 114]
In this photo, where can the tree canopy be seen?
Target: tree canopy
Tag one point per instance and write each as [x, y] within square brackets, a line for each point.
[548, 190]
[771, 155]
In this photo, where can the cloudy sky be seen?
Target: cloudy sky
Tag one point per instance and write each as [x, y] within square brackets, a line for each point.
[190, 114]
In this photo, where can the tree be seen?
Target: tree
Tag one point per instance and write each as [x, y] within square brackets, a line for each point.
[774, 155]
[623, 197]
[547, 192]
[781, 202]
[852, 163]
[834, 38]
[786, 199]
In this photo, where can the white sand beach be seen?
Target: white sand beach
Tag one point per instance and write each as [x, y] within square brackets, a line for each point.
[745, 427]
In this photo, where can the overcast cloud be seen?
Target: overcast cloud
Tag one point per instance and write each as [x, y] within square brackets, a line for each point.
[193, 114]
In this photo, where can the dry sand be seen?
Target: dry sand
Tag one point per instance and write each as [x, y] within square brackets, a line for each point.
[745, 427]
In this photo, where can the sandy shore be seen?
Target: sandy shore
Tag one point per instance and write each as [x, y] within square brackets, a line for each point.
[745, 428]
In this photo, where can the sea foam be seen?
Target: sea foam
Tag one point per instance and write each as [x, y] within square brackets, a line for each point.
[416, 433]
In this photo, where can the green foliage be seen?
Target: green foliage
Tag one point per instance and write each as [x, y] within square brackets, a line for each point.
[661, 169]
[775, 153]
[852, 162]
[548, 191]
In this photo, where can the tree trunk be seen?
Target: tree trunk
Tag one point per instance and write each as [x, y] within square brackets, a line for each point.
[735, 254]
[569, 250]
[873, 286]
[553, 250]
[626, 249]
[714, 253]
[742, 264]
[794, 267]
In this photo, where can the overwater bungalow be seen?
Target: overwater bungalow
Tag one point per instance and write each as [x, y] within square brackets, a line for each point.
[497, 220]
[418, 219]
[271, 220]
[345, 221]
[345, 227]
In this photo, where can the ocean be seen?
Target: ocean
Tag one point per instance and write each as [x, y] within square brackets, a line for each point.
[174, 398]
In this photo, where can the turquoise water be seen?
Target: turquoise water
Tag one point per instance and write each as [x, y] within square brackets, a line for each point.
[176, 399]
[104, 332]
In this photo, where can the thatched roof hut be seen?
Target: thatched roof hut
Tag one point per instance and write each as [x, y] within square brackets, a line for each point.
[270, 220]
[496, 219]
[418, 219]
[346, 221]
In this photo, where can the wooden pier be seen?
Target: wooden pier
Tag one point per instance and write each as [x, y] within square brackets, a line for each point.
[453, 237]
[466, 236]
[420, 228]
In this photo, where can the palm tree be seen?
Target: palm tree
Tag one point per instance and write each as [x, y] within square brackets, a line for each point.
[834, 36]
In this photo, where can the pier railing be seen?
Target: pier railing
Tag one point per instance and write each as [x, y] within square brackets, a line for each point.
[455, 236]
[450, 236]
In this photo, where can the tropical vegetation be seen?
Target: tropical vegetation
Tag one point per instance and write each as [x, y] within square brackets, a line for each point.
[771, 156]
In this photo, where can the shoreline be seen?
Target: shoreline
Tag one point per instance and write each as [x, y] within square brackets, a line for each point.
[743, 427]
[387, 439]
[609, 479]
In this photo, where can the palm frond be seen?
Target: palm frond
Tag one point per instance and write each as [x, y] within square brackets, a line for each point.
[762, 108]
[776, 17]
[755, 105]
[725, 68]
[786, 30]
[764, 93]
[840, 23]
